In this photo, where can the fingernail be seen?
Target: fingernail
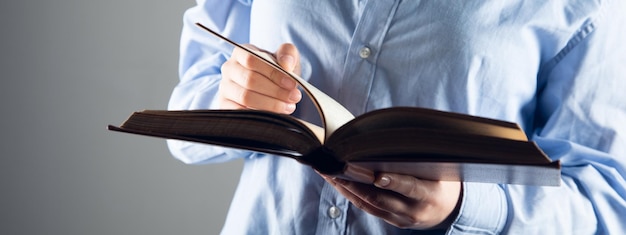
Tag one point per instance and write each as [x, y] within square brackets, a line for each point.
[383, 181]
[287, 61]
[289, 108]
[295, 95]
[288, 83]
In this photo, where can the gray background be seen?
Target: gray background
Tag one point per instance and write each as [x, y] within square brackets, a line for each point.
[68, 68]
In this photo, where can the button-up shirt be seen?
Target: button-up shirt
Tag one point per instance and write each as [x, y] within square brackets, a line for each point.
[555, 67]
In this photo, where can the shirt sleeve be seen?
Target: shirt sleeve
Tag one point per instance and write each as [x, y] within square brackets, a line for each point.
[201, 57]
[580, 114]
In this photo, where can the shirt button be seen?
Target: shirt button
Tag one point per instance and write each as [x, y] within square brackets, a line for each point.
[334, 212]
[365, 52]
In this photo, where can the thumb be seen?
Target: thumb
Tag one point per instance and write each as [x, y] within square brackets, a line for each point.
[288, 57]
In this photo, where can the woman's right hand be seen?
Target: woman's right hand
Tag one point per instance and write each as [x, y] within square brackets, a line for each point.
[249, 83]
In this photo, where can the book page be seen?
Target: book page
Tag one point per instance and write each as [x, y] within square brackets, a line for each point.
[317, 131]
[333, 114]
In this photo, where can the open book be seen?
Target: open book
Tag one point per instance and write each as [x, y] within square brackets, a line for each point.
[425, 143]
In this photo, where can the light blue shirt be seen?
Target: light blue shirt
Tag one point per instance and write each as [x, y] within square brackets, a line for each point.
[555, 67]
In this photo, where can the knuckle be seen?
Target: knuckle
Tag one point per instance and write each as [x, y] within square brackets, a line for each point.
[225, 88]
[414, 191]
[227, 65]
[359, 204]
[247, 60]
[244, 97]
[274, 74]
[232, 92]
[284, 94]
[225, 102]
[410, 223]
[228, 69]
[402, 225]
[375, 199]
[278, 107]
[414, 221]
[247, 79]
[425, 217]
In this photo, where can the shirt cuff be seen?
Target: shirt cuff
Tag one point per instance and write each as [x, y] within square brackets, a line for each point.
[483, 210]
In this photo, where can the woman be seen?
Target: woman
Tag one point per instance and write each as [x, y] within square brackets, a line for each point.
[554, 67]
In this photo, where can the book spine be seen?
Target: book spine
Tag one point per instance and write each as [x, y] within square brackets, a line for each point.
[324, 161]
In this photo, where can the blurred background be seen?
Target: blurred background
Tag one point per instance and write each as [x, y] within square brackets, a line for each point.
[69, 68]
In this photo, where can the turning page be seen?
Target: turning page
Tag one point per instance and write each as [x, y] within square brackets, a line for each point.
[333, 114]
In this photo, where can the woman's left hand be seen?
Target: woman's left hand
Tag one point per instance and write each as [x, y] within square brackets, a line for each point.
[404, 201]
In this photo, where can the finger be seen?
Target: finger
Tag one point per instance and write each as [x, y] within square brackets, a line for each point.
[250, 62]
[233, 92]
[288, 57]
[228, 104]
[256, 82]
[403, 184]
[358, 193]
[437, 200]
[346, 189]
[383, 200]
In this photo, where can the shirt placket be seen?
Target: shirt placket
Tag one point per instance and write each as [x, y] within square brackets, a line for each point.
[360, 64]
[332, 212]
[359, 72]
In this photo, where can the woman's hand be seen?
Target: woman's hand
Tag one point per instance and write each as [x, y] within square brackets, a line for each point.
[404, 201]
[249, 83]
